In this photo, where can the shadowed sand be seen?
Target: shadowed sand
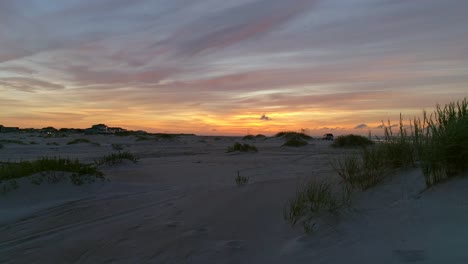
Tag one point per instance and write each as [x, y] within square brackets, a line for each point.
[180, 204]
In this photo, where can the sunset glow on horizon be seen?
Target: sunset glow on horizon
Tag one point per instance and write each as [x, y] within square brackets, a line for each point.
[215, 67]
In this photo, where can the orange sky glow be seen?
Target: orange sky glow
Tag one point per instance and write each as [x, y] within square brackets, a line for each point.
[230, 68]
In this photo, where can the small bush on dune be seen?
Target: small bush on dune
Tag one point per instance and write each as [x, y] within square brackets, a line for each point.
[142, 138]
[12, 141]
[291, 134]
[252, 137]
[351, 141]
[295, 142]
[248, 137]
[242, 148]
[166, 136]
[52, 144]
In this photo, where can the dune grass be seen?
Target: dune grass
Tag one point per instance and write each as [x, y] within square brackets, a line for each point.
[351, 141]
[14, 170]
[241, 148]
[438, 143]
[313, 200]
[82, 140]
[442, 142]
[52, 144]
[50, 169]
[116, 158]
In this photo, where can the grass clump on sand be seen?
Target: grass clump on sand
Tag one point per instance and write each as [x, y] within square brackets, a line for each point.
[242, 148]
[48, 167]
[116, 158]
[52, 144]
[241, 180]
[82, 140]
[295, 142]
[12, 141]
[363, 170]
[351, 141]
[313, 200]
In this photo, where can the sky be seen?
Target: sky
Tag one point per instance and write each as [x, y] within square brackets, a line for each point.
[235, 67]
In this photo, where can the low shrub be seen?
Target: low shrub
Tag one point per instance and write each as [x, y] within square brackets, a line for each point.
[242, 148]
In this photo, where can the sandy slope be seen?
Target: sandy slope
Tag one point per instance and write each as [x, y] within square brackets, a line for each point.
[180, 204]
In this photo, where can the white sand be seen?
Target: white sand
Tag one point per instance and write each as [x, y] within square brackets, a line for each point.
[179, 204]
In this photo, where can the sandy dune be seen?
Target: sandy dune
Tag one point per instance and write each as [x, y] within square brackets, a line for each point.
[179, 204]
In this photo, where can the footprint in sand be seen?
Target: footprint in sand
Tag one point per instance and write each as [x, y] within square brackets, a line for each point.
[410, 255]
[173, 224]
[234, 244]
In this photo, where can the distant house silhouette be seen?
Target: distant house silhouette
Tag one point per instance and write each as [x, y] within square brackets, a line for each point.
[103, 129]
[4, 129]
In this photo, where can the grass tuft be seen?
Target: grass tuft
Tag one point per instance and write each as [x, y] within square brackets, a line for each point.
[241, 180]
[313, 200]
[351, 141]
[116, 158]
[242, 148]
[117, 146]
